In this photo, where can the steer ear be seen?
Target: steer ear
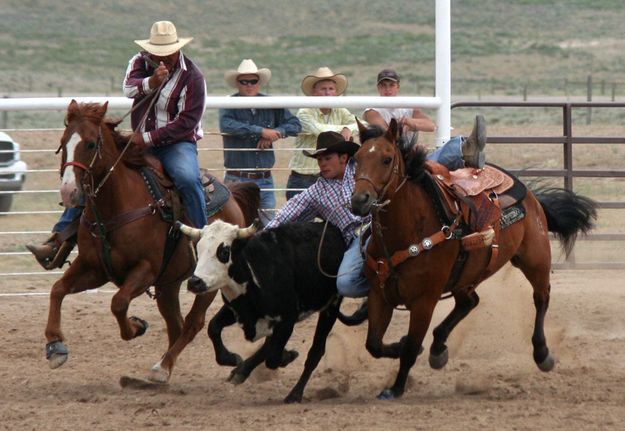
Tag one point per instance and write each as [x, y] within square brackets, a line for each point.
[247, 232]
[191, 232]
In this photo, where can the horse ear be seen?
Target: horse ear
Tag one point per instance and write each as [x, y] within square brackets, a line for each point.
[73, 106]
[102, 109]
[361, 127]
[392, 133]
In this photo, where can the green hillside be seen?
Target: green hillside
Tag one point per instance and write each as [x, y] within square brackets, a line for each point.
[498, 46]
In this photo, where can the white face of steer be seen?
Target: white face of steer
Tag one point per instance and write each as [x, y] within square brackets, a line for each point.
[214, 258]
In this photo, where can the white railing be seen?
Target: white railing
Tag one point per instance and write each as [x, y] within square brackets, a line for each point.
[441, 103]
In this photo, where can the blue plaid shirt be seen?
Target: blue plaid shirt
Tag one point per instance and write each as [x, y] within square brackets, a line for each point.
[328, 199]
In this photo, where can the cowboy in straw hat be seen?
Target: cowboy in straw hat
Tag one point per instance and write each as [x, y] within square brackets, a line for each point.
[324, 74]
[323, 82]
[163, 39]
[247, 67]
[162, 66]
[253, 129]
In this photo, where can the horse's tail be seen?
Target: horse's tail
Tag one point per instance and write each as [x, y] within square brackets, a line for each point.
[247, 196]
[567, 214]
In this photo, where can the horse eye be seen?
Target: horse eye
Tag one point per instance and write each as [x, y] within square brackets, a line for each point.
[90, 145]
[387, 160]
[223, 253]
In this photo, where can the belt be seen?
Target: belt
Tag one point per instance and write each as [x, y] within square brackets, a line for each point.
[252, 175]
[311, 176]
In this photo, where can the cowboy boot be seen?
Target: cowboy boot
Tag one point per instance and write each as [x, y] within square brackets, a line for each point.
[52, 253]
[473, 146]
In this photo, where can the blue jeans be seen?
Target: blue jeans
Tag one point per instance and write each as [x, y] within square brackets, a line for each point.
[351, 281]
[298, 182]
[180, 162]
[267, 195]
[68, 216]
[450, 154]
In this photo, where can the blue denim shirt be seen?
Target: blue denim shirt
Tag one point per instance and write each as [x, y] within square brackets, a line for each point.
[244, 127]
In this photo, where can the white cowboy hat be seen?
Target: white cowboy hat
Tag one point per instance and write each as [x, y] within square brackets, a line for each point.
[247, 67]
[322, 74]
[163, 39]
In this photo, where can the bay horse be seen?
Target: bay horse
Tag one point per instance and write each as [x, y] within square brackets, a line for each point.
[125, 235]
[420, 248]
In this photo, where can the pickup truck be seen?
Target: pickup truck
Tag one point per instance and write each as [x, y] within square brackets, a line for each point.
[12, 171]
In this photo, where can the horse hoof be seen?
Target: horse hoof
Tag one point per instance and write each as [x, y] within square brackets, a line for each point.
[56, 354]
[236, 378]
[386, 395]
[143, 325]
[158, 374]
[439, 361]
[547, 364]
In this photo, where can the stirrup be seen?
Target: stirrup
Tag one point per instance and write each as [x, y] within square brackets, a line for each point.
[61, 255]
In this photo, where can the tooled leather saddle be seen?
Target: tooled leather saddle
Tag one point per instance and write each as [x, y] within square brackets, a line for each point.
[485, 200]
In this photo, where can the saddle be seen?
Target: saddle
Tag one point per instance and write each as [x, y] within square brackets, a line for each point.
[479, 197]
[215, 193]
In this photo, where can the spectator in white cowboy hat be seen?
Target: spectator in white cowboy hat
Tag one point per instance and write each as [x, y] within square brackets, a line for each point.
[253, 129]
[456, 153]
[323, 82]
[170, 130]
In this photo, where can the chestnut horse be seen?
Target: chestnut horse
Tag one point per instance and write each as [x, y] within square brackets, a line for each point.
[124, 236]
[400, 194]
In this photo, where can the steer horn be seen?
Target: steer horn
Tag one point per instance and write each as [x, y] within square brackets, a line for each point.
[247, 232]
[191, 232]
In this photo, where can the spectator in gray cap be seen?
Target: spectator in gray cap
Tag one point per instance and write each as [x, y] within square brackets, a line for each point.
[413, 120]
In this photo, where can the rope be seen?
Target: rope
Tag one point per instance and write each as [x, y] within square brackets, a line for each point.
[323, 234]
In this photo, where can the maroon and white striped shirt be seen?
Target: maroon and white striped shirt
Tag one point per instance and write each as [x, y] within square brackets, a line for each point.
[177, 114]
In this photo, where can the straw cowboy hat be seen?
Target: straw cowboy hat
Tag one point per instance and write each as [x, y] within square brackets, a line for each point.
[163, 39]
[247, 67]
[322, 74]
[332, 142]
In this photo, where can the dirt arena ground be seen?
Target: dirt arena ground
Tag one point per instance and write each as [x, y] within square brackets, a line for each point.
[490, 381]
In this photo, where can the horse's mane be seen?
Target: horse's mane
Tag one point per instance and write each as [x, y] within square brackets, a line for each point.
[133, 156]
[414, 155]
[92, 112]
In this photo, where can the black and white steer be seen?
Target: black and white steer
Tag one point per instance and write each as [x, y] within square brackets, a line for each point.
[271, 280]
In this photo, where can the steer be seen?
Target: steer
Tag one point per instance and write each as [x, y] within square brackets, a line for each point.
[272, 280]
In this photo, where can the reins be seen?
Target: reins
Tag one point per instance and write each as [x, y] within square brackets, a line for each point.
[153, 99]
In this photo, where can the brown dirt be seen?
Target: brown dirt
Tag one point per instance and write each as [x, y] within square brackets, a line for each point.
[490, 381]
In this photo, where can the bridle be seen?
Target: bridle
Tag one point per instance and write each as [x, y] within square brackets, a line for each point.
[394, 171]
[89, 187]
[98, 146]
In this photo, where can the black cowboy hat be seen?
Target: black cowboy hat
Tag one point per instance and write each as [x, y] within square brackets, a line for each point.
[332, 142]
